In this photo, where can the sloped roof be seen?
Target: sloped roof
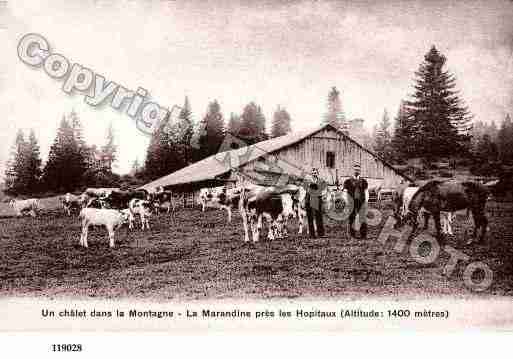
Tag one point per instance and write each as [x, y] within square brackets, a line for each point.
[222, 163]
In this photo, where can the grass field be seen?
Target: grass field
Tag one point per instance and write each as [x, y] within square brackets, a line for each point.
[195, 255]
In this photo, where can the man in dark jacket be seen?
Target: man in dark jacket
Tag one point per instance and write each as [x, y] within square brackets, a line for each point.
[313, 204]
[357, 188]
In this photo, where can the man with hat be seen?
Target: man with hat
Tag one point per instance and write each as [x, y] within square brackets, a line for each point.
[313, 204]
[357, 188]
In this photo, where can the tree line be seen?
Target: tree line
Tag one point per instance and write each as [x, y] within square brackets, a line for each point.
[177, 145]
[433, 123]
[71, 163]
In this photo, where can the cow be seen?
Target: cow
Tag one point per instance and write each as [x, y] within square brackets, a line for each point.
[118, 199]
[71, 202]
[402, 201]
[99, 192]
[219, 197]
[27, 205]
[162, 198]
[274, 204]
[143, 209]
[98, 203]
[111, 219]
[85, 199]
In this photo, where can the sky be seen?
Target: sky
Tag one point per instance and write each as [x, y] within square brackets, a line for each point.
[287, 53]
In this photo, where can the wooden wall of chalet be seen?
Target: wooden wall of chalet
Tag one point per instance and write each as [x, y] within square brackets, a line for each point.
[311, 152]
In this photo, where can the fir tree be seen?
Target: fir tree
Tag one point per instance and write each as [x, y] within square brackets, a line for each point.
[109, 150]
[487, 150]
[505, 141]
[252, 127]
[211, 132]
[185, 131]
[281, 123]
[442, 123]
[164, 155]
[403, 137]
[66, 163]
[233, 124]
[335, 114]
[383, 138]
[33, 159]
[14, 174]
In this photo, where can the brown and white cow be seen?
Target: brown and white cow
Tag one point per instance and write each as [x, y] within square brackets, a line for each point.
[142, 208]
[162, 198]
[275, 205]
[219, 197]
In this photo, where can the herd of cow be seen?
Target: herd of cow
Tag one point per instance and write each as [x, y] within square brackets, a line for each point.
[274, 206]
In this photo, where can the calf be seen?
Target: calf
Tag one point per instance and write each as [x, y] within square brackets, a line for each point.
[27, 205]
[143, 209]
[111, 219]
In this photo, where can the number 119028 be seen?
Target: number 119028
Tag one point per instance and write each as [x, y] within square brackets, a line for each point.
[67, 347]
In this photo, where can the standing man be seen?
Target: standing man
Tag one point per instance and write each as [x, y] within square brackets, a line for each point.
[357, 188]
[313, 203]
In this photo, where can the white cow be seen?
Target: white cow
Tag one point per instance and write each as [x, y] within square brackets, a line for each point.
[27, 205]
[143, 209]
[111, 219]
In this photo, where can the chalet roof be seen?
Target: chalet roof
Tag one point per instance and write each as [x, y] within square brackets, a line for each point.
[222, 163]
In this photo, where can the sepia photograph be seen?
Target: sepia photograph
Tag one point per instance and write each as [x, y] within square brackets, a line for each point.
[194, 165]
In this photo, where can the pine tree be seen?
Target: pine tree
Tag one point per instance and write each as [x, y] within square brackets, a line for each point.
[441, 121]
[66, 165]
[505, 141]
[383, 138]
[33, 169]
[14, 174]
[211, 133]
[335, 114]
[252, 127]
[487, 151]
[76, 125]
[402, 140]
[185, 131]
[164, 155]
[281, 123]
[233, 124]
[109, 150]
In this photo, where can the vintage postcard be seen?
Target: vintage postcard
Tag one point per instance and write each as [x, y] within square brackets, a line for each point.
[258, 166]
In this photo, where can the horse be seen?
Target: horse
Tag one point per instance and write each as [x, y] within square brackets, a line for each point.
[450, 196]
[401, 200]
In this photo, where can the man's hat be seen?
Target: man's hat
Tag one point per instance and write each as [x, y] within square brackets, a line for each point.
[356, 166]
